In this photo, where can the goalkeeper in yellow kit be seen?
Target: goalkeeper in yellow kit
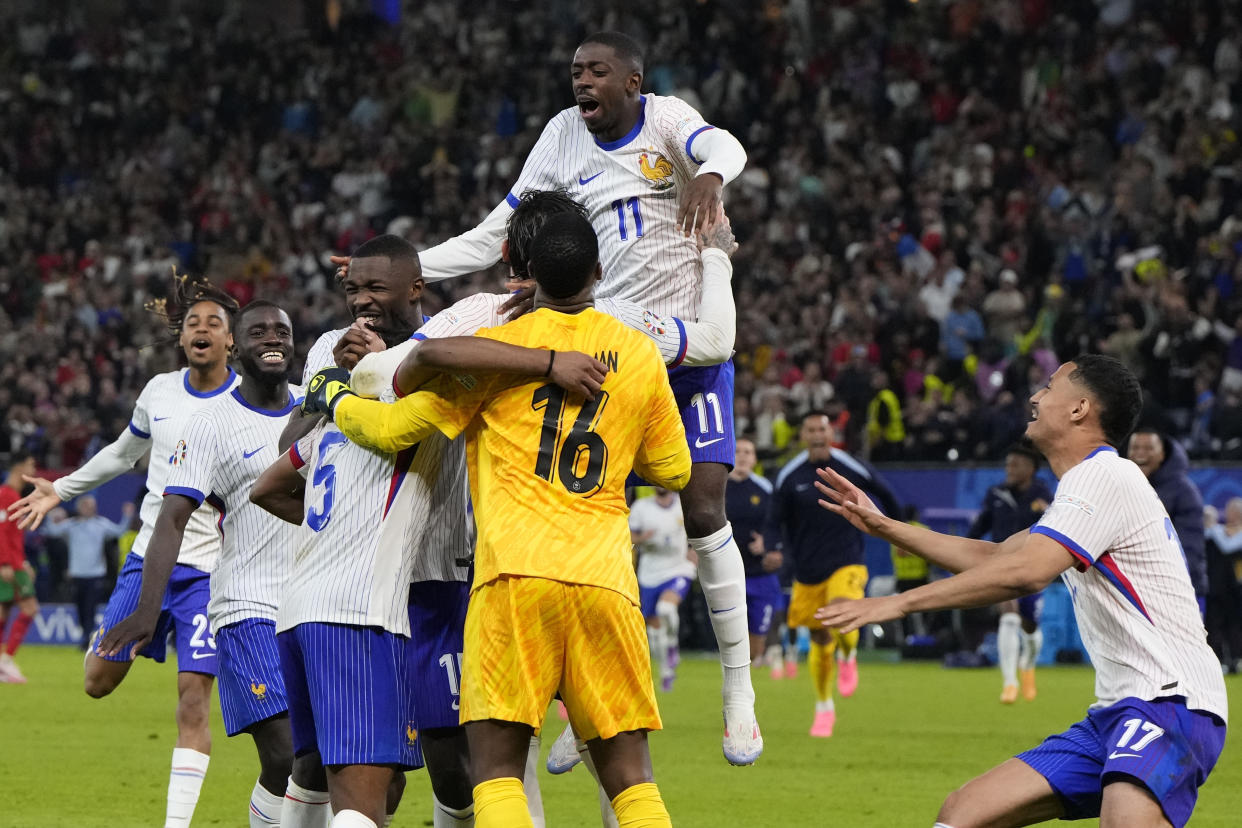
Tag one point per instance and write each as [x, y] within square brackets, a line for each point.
[554, 604]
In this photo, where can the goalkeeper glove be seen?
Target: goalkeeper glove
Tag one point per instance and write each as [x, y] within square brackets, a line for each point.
[326, 389]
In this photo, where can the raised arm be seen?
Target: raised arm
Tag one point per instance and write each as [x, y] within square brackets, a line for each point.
[474, 250]
[946, 551]
[113, 460]
[136, 629]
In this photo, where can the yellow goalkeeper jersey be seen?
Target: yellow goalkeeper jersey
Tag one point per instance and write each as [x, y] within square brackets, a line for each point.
[547, 471]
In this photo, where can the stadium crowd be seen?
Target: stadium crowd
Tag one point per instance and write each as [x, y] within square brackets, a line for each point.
[942, 201]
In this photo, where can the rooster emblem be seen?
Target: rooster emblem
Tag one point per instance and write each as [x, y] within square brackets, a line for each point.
[656, 169]
[411, 735]
[259, 690]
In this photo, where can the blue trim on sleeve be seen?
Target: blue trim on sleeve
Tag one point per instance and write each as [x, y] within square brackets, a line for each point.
[512, 200]
[1071, 545]
[193, 494]
[685, 342]
[609, 146]
[202, 395]
[690, 141]
[237, 395]
[138, 432]
[1100, 449]
[420, 337]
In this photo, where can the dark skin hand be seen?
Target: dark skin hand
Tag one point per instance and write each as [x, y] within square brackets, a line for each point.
[699, 203]
[357, 342]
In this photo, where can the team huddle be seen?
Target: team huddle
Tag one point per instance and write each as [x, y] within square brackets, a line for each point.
[403, 560]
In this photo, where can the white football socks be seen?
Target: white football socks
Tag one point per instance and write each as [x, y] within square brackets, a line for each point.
[657, 641]
[1032, 643]
[530, 782]
[265, 807]
[723, 580]
[446, 817]
[185, 781]
[352, 819]
[305, 808]
[1008, 646]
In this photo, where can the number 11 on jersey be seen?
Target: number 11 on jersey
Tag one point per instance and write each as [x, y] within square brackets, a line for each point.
[619, 205]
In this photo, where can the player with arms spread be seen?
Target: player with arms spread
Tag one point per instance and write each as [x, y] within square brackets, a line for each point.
[650, 171]
[547, 612]
[201, 316]
[229, 443]
[1158, 724]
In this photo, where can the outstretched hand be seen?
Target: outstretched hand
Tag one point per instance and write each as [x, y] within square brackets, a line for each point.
[849, 501]
[849, 615]
[577, 373]
[30, 510]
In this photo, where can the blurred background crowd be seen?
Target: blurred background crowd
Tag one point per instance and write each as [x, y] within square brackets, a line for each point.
[943, 199]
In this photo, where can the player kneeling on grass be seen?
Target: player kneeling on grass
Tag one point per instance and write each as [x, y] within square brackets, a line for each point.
[1158, 724]
[554, 604]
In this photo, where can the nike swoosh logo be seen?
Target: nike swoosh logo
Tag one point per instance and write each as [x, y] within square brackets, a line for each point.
[717, 612]
[582, 180]
[1116, 755]
[246, 455]
[698, 442]
[196, 655]
[157, 419]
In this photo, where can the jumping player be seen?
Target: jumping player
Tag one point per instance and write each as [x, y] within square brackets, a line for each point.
[1157, 726]
[650, 171]
[200, 315]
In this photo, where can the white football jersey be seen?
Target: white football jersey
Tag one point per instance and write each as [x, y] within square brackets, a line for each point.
[401, 516]
[161, 414]
[228, 445]
[632, 189]
[482, 310]
[662, 557]
[1132, 594]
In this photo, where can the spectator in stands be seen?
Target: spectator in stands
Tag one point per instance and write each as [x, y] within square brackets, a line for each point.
[86, 534]
[1164, 462]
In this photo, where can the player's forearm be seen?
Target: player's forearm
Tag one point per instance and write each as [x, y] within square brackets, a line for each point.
[1001, 578]
[710, 340]
[299, 426]
[720, 153]
[379, 371]
[470, 252]
[381, 426]
[113, 460]
[945, 551]
[470, 355]
[162, 551]
[281, 491]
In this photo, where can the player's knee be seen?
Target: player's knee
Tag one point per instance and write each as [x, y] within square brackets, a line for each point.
[308, 772]
[953, 811]
[193, 710]
[97, 686]
[703, 518]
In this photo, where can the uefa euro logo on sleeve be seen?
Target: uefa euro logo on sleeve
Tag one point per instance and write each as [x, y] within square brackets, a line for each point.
[178, 453]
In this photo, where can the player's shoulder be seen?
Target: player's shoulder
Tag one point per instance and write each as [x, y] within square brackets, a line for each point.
[167, 381]
[845, 461]
[465, 316]
[787, 471]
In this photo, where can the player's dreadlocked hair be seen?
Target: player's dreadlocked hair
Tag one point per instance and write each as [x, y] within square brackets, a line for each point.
[186, 291]
[533, 209]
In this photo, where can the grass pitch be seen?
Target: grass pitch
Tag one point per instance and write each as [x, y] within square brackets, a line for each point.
[911, 734]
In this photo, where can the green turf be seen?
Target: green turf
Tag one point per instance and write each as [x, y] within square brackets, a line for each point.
[912, 734]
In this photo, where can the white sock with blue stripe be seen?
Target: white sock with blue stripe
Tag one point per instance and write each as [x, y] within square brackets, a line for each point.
[264, 806]
[723, 580]
[185, 781]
